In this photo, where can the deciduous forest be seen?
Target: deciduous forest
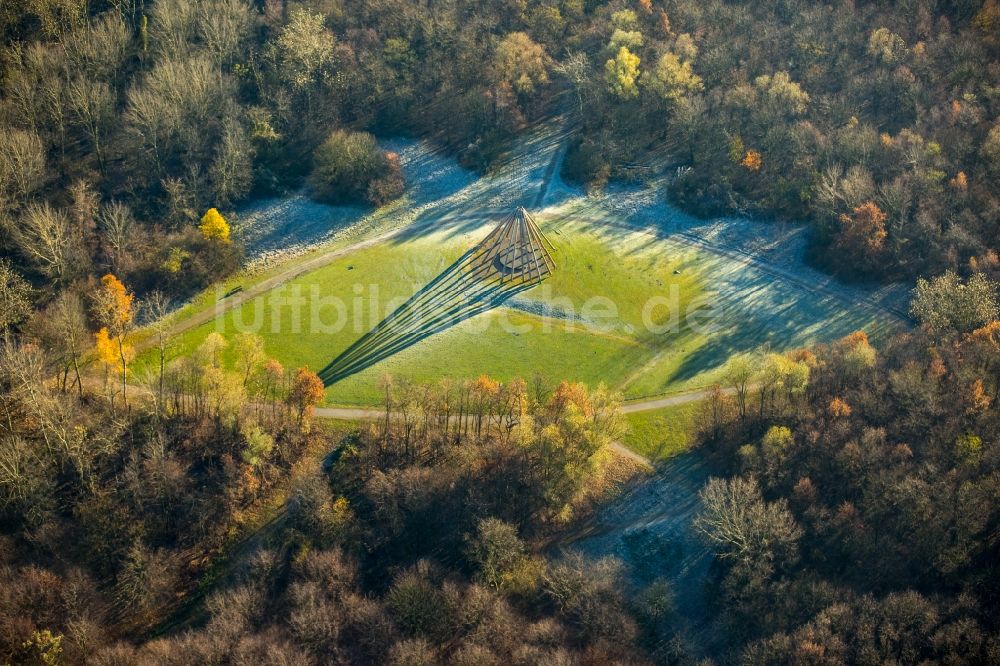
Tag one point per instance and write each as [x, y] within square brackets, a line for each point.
[161, 504]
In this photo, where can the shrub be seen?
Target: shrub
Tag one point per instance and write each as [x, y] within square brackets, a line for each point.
[586, 164]
[349, 167]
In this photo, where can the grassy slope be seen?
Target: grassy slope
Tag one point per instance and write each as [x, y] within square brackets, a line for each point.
[662, 433]
[504, 343]
[596, 256]
[627, 268]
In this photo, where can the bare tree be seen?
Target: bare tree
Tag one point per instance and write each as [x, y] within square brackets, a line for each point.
[22, 164]
[98, 50]
[83, 207]
[176, 109]
[231, 171]
[173, 28]
[92, 106]
[62, 329]
[156, 307]
[68, 317]
[179, 202]
[57, 17]
[147, 120]
[119, 234]
[46, 238]
[33, 71]
[744, 527]
[576, 69]
[223, 25]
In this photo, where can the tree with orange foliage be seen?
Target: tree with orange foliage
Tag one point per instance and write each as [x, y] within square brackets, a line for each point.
[977, 400]
[752, 161]
[988, 335]
[960, 183]
[114, 308]
[571, 394]
[663, 22]
[863, 234]
[838, 408]
[306, 392]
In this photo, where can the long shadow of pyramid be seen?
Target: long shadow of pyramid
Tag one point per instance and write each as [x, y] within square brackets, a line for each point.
[514, 257]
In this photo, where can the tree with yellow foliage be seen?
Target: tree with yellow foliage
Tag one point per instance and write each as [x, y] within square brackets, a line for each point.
[621, 74]
[114, 308]
[214, 226]
[672, 79]
[104, 347]
[521, 62]
[782, 95]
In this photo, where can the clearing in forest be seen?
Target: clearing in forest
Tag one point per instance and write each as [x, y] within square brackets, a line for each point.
[645, 299]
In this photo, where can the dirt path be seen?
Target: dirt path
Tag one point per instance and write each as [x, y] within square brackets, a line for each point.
[297, 270]
[552, 167]
[645, 405]
[375, 414]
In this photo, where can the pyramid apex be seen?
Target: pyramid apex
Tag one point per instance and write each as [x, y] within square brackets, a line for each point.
[516, 250]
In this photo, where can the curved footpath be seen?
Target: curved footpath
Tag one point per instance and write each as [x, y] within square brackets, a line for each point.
[226, 304]
[368, 414]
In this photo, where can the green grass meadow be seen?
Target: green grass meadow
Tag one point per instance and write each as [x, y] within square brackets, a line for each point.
[606, 340]
[661, 433]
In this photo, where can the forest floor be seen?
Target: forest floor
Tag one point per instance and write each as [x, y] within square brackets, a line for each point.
[650, 528]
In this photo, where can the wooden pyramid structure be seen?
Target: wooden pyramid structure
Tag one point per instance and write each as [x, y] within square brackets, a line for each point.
[516, 251]
[514, 257]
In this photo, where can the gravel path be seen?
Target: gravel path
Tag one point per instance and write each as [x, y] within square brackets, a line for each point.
[366, 414]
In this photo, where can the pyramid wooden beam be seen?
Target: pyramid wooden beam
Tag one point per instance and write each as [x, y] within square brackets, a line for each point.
[515, 251]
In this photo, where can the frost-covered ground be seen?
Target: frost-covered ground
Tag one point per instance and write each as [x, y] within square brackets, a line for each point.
[440, 194]
[650, 530]
[278, 228]
[776, 247]
[755, 270]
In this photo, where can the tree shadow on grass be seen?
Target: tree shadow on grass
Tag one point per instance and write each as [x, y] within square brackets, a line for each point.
[466, 288]
[774, 321]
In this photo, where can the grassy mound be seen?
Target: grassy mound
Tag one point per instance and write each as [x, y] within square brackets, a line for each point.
[588, 322]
